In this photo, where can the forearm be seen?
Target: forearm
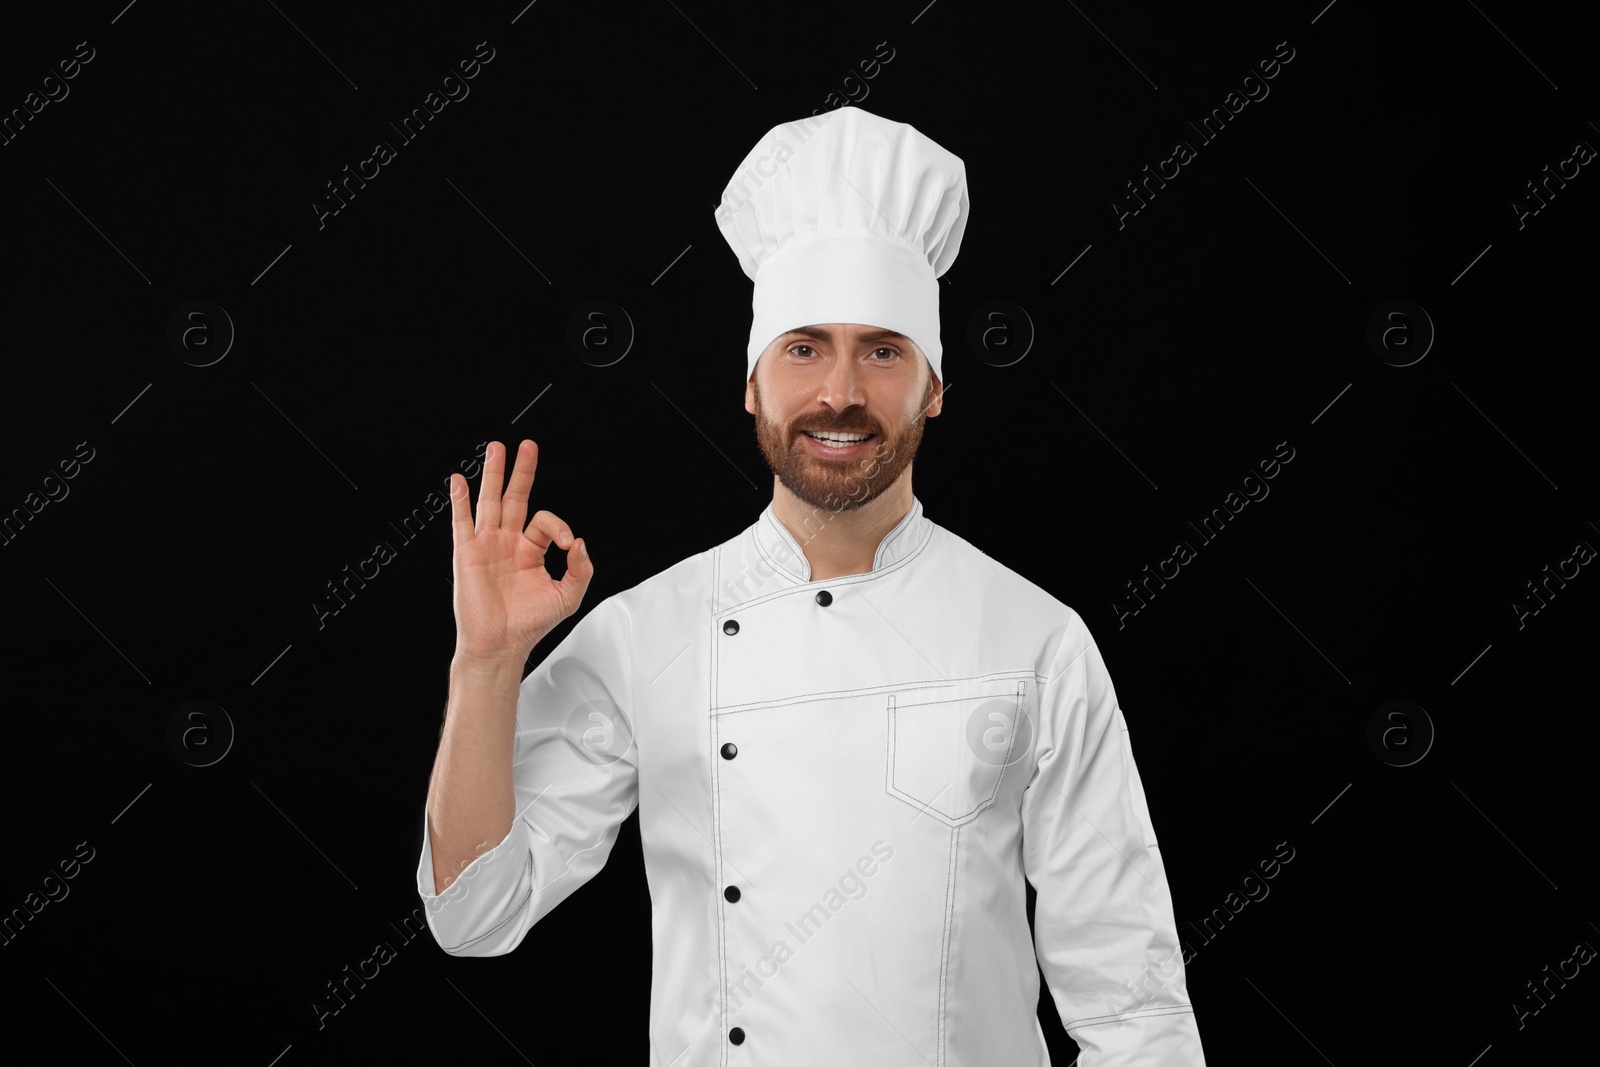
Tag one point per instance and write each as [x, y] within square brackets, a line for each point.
[471, 804]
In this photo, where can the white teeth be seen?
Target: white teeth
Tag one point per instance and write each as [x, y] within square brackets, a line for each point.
[838, 438]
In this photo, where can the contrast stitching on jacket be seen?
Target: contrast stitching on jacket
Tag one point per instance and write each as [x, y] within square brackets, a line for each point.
[761, 546]
[949, 921]
[761, 550]
[1022, 709]
[1101, 1020]
[891, 710]
[888, 748]
[924, 807]
[1004, 676]
[873, 690]
[849, 579]
[713, 756]
[900, 529]
[528, 873]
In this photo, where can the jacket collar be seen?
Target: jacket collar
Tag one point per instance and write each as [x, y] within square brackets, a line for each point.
[778, 545]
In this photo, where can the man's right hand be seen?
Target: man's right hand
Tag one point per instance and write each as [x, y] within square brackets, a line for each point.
[505, 601]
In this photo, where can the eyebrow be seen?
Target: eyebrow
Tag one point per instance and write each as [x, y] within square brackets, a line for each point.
[866, 336]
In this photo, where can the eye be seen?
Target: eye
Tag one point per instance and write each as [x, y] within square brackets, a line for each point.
[804, 350]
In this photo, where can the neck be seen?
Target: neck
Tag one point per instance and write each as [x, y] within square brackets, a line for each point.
[840, 543]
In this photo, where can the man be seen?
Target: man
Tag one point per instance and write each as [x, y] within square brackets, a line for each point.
[849, 733]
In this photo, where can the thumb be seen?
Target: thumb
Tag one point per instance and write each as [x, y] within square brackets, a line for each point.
[580, 568]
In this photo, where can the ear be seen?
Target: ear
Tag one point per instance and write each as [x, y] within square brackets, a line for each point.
[750, 394]
[936, 404]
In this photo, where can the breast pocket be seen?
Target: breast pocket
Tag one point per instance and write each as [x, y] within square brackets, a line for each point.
[950, 746]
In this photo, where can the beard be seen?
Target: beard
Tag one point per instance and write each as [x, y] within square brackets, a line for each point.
[836, 485]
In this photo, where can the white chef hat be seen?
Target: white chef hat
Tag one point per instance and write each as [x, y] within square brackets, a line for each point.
[845, 217]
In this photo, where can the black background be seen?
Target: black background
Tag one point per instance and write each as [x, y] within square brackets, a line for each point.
[376, 352]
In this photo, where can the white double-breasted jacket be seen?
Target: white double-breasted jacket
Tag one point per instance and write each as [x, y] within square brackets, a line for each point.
[841, 786]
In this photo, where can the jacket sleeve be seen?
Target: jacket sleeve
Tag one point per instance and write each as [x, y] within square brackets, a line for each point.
[575, 777]
[1103, 925]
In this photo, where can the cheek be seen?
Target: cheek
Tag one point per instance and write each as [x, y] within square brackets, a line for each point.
[916, 409]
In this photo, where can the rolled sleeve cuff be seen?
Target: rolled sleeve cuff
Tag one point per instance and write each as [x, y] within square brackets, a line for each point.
[1157, 1036]
[484, 911]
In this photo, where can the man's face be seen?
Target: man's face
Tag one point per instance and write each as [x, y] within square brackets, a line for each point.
[844, 378]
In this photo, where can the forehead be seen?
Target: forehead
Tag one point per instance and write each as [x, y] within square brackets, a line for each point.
[844, 331]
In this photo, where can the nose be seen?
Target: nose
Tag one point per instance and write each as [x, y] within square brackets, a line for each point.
[841, 385]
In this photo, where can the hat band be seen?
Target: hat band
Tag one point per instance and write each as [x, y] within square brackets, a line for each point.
[846, 275]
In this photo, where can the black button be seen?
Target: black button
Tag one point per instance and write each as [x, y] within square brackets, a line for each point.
[730, 750]
[730, 627]
[736, 1035]
[732, 893]
[824, 598]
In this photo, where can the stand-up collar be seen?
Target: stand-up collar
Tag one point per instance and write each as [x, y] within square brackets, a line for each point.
[779, 546]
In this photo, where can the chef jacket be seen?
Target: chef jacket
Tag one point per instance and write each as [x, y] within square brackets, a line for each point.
[841, 785]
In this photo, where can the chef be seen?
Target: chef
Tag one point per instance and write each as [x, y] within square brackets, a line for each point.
[849, 733]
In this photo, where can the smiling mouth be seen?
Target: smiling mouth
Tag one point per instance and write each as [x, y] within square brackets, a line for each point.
[841, 437]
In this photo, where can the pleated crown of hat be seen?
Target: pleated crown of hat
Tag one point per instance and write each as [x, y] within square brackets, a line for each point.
[845, 217]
